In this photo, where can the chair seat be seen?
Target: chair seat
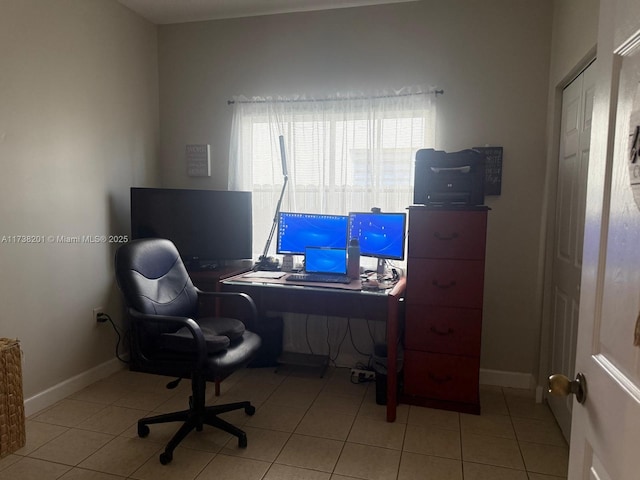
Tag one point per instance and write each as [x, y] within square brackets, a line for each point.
[218, 332]
[222, 365]
[219, 365]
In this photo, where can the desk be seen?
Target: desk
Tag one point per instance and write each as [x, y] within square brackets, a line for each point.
[331, 300]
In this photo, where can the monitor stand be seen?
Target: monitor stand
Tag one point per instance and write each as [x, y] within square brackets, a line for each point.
[382, 264]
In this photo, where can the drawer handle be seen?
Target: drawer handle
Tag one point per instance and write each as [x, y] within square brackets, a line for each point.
[452, 283]
[441, 332]
[440, 380]
[453, 236]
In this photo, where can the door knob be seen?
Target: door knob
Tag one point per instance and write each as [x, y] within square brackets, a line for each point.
[561, 386]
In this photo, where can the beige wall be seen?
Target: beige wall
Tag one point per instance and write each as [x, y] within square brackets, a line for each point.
[78, 127]
[575, 34]
[492, 59]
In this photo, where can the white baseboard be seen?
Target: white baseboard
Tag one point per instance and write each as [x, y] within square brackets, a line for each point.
[54, 394]
[500, 378]
[45, 399]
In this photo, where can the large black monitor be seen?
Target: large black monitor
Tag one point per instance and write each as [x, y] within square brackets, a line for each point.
[207, 226]
[381, 235]
[296, 231]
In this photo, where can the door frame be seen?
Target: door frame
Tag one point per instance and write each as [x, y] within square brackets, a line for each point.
[548, 231]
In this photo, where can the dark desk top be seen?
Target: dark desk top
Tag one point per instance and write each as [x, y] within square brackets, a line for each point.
[279, 279]
[338, 300]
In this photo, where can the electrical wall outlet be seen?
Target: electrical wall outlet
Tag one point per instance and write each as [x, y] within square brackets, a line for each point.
[96, 312]
[361, 374]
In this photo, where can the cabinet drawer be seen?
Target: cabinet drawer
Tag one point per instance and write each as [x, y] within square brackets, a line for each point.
[444, 330]
[442, 377]
[453, 283]
[447, 234]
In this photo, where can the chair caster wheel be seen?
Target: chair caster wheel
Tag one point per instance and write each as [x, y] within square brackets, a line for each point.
[250, 410]
[143, 430]
[242, 441]
[166, 458]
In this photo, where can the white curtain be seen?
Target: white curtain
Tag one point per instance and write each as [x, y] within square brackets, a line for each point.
[344, 153]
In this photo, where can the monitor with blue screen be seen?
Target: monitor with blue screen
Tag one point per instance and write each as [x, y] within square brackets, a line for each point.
[296, 231]
[380, 235]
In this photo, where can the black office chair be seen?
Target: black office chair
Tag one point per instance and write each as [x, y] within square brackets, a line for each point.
[168, 338]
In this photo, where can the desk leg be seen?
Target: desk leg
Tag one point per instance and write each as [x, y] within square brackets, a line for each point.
[392, 377]
[393, 314]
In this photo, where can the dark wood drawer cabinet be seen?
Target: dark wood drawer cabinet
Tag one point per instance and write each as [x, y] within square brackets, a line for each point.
[453, 283]
[447, 234]
[443, 330]
[444, 296]
[447, 378]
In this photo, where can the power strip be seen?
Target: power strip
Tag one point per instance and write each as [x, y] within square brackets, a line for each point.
[362, 375]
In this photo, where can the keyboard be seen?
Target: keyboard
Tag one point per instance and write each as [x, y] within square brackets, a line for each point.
[318, 277]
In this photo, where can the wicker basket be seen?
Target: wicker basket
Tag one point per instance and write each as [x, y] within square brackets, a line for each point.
[12, 427]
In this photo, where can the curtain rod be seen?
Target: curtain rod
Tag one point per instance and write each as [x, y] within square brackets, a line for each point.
[432, 92]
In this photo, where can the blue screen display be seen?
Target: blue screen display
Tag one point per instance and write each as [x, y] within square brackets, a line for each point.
[296, 231]
[325, 260]
[380, 235]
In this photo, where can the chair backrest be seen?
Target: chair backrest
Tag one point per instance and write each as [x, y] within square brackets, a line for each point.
[153, 279]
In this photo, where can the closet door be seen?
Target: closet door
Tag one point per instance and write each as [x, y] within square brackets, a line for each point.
[573, 162]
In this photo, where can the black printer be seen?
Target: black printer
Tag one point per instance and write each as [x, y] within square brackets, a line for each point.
[455, 178]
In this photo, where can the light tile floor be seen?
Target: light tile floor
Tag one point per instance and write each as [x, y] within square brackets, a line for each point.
[305, 428]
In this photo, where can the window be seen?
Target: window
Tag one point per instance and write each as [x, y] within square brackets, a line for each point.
[343, 154]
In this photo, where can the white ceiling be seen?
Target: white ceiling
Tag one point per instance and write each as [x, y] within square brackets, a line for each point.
[179, 11]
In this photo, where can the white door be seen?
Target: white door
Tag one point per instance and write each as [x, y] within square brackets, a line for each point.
[605, 434]
[573, 162]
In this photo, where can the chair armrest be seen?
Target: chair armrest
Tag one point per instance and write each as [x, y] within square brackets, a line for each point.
[194, 328]
[243, 297]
